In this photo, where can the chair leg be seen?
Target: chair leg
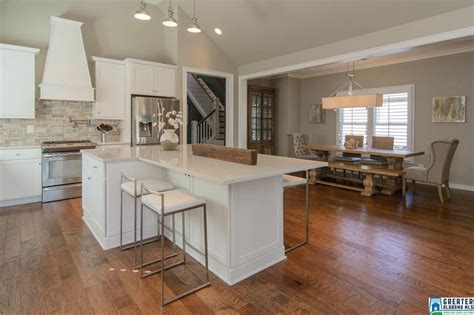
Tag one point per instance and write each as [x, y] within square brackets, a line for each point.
[448, 192]
[404, 187]
[414, 185]
[440, 193]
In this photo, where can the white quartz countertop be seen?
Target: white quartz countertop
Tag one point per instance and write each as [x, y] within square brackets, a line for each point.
[222, 172]
[19, 146]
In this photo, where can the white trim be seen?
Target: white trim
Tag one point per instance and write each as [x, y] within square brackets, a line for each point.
[34, 51]
[20, 201]
[462, 187]
[229, 101]
[388, 62]
[242, 101]
[149, 63]
[408, 88]
[107, 60]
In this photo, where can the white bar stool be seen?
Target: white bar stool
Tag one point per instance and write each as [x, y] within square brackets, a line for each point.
[290, 181]
[169, 203]
[131, 186]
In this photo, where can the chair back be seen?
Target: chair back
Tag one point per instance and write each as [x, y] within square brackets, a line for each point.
[385, 143]
[296, 141]
[442, 153]
[358, 139]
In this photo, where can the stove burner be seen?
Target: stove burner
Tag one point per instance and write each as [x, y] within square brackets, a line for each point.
[66, 145]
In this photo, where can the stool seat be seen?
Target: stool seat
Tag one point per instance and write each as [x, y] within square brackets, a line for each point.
[291, 181]
[175, 200]
[153, 184]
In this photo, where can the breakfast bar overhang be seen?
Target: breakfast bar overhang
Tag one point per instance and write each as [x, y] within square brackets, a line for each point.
[244, 203]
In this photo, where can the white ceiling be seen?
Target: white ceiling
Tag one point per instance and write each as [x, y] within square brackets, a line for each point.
[255, 30]
[416, 53]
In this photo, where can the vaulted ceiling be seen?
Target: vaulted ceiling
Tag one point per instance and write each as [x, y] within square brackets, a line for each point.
[255, 30]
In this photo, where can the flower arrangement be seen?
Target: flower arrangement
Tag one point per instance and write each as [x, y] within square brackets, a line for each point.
[171, 120]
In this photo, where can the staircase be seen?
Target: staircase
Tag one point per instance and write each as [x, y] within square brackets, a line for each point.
[211, 128]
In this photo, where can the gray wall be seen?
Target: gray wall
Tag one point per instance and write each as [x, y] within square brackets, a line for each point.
[441, 76]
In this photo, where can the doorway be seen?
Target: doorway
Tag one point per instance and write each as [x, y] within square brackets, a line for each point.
[207, 107]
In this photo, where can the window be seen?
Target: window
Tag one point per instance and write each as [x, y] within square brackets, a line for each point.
[393, 119]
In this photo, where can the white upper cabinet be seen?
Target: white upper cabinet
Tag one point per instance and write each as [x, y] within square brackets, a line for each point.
[165, 81]
[110, 87]
[17, 81]
[151, 78]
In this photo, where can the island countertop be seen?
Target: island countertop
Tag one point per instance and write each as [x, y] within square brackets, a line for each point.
[217, 171]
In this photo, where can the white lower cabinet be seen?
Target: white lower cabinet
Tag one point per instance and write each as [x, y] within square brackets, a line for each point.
[20, 176]
[93, 192]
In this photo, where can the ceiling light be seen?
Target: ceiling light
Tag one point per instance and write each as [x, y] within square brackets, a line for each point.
[141, 13]
[344, 96]
[218, 31]
[170, 21]
[194, 27]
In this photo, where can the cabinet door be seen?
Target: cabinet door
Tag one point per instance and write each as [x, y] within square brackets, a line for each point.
[110, 91]
[87, 189]
[17, 84]
[98, 199]
[165, 82]
[143, 80]
[20, 179]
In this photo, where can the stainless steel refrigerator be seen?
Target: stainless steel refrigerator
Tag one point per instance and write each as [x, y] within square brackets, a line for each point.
[145, 118]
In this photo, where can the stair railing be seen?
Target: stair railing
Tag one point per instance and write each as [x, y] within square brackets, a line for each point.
[203, 131]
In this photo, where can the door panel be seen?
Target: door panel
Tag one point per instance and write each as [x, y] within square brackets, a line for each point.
[260, 114]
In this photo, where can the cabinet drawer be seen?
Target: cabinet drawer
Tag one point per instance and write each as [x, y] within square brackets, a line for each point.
[20, 154]
[96, 167]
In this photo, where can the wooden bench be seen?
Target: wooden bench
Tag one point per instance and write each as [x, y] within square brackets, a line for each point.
[391, 184]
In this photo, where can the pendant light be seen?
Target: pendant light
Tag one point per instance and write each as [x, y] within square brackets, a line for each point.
[344, 96]
[194, 27]
[170, 21]
[141, 13]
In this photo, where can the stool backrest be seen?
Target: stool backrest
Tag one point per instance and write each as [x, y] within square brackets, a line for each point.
[442, 153]
[385, 143]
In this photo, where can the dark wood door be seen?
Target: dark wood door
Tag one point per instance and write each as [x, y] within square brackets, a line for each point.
[260, 119]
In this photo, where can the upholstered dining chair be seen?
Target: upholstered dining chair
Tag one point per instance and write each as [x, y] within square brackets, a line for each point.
[441, 156]
[296, 141]
[385, 143]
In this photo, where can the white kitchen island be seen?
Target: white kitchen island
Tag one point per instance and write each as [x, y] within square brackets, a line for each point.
[244, 203]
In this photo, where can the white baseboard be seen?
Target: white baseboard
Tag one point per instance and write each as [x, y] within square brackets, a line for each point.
[451, 185]
[19, 201]
[461, 186]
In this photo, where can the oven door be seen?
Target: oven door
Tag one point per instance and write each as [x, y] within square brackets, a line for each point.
[61, 168]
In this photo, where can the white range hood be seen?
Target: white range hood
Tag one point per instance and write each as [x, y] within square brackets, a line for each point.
[66, 74]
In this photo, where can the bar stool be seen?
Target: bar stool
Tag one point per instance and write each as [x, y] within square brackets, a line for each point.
[131, 186]
[290, 181]
[169, 203]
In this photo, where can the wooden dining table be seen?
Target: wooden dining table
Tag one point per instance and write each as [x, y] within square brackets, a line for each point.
[390, 174]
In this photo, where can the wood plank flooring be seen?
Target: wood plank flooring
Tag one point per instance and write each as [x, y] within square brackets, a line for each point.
[378, 255]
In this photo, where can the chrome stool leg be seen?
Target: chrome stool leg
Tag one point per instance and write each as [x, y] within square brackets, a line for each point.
[289, 249]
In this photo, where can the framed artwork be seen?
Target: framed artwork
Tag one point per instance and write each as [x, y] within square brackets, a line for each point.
[449, 109]
[317, 115]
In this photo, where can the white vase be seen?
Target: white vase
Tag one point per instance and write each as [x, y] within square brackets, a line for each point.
[169, 140]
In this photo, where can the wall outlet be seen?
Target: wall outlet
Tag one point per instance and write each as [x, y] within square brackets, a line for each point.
[30, 129]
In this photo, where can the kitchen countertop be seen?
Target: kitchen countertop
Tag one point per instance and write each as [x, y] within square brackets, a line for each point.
[19, 146]
[100, 144]
[222, 172]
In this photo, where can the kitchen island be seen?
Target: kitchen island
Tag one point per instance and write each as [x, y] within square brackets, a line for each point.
[244, 203]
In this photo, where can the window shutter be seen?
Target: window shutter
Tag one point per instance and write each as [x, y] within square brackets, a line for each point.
[391, 120]
[352, 121]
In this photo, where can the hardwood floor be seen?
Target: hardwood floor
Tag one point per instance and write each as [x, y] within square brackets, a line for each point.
[366, 255]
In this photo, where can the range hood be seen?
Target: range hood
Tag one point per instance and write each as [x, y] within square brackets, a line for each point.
[66, 73]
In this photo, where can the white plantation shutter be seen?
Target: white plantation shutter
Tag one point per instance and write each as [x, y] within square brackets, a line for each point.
[391, 120]
[352, 121]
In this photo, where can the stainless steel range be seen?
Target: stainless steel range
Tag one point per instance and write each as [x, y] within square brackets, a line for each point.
[62, 168]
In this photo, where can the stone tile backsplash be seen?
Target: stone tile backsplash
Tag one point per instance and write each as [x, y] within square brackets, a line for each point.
[52, 124]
